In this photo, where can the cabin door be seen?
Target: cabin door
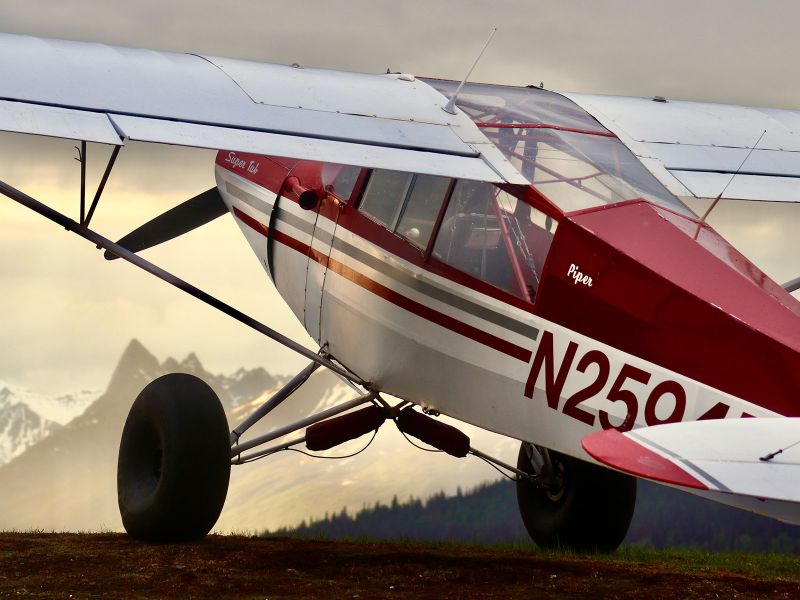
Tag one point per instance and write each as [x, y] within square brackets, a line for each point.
[319, 252]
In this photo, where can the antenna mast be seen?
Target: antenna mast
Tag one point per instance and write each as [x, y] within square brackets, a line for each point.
[451, 105]
[702, 220]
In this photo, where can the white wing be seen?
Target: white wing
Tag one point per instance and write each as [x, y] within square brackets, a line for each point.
[108, 94]
[751, 463]
[695, 148]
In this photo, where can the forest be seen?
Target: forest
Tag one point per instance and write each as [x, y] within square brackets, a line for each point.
[664, 518]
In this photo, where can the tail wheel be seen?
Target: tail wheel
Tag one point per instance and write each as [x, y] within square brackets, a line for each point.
[584, 507]
[174, 461]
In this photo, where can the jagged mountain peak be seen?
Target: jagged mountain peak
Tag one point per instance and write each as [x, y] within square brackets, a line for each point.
[170, 365]
[58, 409]
[191, 364]
[137, 363]
[136, 354]
[138, 367]
[133, 349]
[243, 373]
[20, 425]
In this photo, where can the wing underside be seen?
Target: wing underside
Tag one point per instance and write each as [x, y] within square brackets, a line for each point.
[751, 463]
[107, 94]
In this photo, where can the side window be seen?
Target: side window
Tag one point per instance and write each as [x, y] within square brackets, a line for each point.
[489, 234]
[405, 203]
[384, 195]
[424, 202]
[340, 180]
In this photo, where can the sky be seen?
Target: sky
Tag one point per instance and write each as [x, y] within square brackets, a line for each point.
[68, 314]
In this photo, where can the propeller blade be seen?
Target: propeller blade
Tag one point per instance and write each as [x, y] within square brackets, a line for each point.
[185, 217]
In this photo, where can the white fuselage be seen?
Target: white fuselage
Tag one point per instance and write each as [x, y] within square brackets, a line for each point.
[439, 344]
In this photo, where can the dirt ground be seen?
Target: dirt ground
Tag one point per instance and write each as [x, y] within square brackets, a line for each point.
[112, 566]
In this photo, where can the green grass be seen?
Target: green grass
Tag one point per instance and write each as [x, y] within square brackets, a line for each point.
[760, 565]
[767, 566]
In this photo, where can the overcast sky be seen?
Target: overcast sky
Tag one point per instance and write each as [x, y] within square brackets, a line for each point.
[68, 313]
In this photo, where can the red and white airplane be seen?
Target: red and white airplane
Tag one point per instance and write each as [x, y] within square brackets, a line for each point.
[515, 258]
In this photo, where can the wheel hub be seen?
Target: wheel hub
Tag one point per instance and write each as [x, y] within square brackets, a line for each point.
[554, 482]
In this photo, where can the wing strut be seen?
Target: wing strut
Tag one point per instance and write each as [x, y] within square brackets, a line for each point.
[792, 286]
[145, 265]
[102, 186]
[85, 218]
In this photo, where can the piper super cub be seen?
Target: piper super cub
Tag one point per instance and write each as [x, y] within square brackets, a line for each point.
[514, 258]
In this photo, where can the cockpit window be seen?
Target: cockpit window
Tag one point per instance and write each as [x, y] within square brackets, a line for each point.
[422, 208]
[560, 148]
[490, 235]
[405, 203]
[384, 195]
[340, 180]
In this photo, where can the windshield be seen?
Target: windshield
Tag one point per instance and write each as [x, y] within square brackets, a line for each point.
[560, 149]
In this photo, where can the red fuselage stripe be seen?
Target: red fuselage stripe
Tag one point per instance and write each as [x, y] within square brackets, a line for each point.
[389, 294]
[252, 223]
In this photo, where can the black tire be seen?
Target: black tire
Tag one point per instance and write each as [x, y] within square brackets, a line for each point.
[589, 510]
[174, 461]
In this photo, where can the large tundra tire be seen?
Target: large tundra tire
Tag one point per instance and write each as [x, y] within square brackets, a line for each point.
[587, 509]
[174, 461]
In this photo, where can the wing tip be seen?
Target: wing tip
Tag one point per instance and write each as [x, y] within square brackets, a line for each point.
[617, 450]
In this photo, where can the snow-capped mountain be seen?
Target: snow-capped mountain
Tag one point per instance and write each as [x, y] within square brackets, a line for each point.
[67, 481]
[233, 390]
[27, 417]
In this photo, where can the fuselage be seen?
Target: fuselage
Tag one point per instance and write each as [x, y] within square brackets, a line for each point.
[623, 315]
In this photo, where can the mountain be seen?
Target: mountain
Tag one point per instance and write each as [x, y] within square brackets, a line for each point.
[67, 481]
[664, 518]
[20, 426]
[27, 417]
[233, 390]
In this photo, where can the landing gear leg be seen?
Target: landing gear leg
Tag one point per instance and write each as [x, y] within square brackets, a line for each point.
[579, 505]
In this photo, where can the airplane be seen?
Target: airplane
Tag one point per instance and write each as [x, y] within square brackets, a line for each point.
[514, 258]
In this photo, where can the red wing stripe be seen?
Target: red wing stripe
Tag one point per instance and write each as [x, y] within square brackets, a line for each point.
[391, 295]
[621, 452]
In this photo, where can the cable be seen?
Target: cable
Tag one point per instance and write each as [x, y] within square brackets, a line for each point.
[369, 443]
[496, 468]
[488, 462]
[408, 439]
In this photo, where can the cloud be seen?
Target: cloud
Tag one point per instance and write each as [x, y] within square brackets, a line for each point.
[722, 50]
[68, 313]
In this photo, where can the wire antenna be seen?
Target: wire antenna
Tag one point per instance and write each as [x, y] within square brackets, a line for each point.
[730, 181]
[772, 455]
[451, 105]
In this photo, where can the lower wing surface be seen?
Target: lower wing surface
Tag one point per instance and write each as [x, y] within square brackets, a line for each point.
[751, 463]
